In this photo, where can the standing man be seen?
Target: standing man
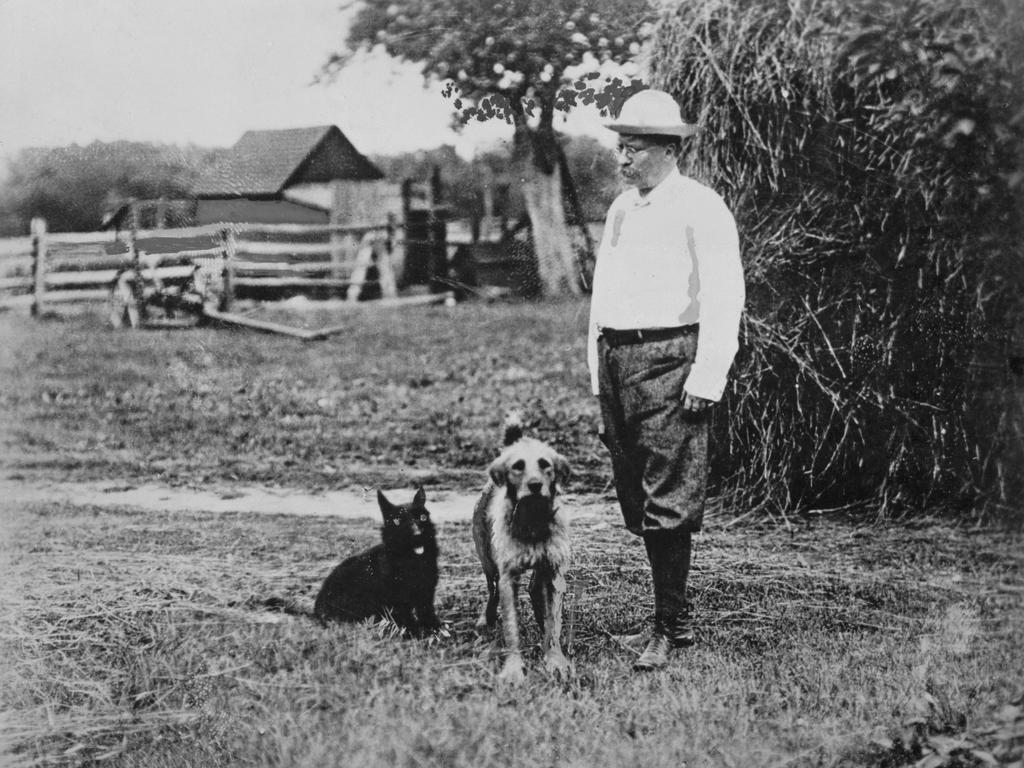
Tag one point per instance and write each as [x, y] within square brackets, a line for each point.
[664, 321]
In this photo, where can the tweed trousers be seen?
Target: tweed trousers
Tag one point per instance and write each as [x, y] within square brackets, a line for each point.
[658, 450]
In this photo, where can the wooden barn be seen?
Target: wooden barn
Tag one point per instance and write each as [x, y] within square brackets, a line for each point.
[301, 176]
[294, 176]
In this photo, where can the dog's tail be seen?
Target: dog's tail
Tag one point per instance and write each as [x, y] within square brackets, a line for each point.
[513, 427]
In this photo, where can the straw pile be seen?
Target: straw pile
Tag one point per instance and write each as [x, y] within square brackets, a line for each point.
[872, 154]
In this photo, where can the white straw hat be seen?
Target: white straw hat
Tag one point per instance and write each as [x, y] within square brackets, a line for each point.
[652, 112]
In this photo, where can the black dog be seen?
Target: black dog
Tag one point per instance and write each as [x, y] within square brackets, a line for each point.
[396, 577]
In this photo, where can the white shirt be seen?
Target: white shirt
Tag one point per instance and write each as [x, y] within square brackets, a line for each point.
[672, 258]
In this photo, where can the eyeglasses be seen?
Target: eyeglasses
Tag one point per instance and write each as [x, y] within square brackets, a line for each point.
[630, 151]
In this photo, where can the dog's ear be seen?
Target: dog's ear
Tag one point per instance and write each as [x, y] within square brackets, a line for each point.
[420, 499]
[388, 510]
[382, 501]
[498, 470]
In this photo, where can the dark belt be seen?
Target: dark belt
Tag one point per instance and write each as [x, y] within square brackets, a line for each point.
[617, 338]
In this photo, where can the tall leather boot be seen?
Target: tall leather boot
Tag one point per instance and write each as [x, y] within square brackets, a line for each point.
[669, 555]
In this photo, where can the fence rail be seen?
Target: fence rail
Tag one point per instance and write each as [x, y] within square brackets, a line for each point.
[15, 246]
[54, 268]
[263, 248]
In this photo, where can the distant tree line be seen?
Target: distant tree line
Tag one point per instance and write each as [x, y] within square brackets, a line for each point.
[75, 187]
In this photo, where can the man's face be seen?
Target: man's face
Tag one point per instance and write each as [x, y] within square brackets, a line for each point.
[642, 162]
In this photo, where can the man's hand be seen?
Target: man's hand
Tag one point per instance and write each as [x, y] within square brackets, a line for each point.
[693, 404]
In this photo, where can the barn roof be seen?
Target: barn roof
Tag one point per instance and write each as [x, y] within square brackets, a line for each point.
[263, 163]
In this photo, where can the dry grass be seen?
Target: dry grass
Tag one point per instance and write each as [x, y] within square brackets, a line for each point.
[377, 405]
[139, 639]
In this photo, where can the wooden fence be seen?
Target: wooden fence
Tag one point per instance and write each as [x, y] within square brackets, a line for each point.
[268, 261]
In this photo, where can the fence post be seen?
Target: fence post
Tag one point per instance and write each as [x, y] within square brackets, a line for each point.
[38, 229]
[364, 258]
[396, 247]
[161, 213]
[385, 269]
[136, 261]
[133, 251]
[227, 239]
[340, 243]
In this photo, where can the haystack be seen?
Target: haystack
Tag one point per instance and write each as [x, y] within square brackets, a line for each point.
[873, 155]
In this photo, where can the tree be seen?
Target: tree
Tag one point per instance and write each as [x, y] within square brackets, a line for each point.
[73, 187]
[592, 167]
[461, 191]
[509, 60]
[595, 173]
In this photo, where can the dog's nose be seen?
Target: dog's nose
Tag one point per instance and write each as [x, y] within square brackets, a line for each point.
[535, 486]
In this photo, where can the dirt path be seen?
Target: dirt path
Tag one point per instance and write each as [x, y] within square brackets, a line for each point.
[348, 503]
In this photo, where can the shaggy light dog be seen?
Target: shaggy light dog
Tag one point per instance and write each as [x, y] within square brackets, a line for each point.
[518, 526]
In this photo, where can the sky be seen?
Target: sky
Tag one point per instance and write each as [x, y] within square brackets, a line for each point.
[206, 71]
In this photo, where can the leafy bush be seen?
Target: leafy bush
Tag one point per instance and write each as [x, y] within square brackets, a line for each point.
[872, 153]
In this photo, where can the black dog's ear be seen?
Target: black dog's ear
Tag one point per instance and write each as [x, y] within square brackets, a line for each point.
[498, 471]
[382, 501]
[420, 499]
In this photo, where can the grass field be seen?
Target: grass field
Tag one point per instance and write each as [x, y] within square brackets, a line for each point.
[419, 392]
[139, 638]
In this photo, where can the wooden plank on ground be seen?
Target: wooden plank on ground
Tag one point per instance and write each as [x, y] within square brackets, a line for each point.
[170, 323]
[231, 318]
[409, 301]
[392, 302]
